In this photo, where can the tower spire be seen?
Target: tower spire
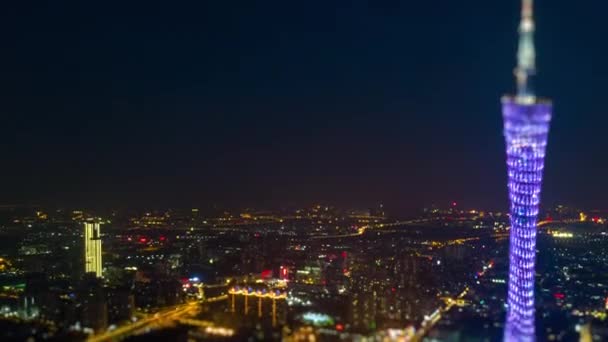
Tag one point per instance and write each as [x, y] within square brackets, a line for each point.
[526, 53]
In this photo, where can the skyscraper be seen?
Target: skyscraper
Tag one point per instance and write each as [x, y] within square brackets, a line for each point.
[92, 248]
[526, 127]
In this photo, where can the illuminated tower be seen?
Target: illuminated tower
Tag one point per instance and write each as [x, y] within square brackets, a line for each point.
[526, 126]
[92, 248]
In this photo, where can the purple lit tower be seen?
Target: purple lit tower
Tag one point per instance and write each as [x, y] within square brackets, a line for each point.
[526, 126]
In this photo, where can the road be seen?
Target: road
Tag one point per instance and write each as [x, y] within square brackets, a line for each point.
[430, 321]
[159, 319]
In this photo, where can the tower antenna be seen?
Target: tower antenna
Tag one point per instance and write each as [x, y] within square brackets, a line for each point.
[526, 54]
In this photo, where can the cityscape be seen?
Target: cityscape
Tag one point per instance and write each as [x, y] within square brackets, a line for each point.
[315, 273]
[154, 187]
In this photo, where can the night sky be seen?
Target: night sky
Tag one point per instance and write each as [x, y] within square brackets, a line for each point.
[277, 103]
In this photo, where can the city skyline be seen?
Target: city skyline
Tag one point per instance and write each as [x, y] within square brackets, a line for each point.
[281, 171]
[320, 271]
[321, 112]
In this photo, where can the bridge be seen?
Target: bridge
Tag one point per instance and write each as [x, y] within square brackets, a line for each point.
[260, 295]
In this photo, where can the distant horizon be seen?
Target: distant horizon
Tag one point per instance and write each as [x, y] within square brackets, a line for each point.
[209, 208]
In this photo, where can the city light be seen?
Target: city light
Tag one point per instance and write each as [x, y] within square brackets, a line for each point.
[317, 319]
[562, 235]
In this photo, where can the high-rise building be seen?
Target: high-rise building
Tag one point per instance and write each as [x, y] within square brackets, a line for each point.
[93, 303]
[526, 127]
[92, 248]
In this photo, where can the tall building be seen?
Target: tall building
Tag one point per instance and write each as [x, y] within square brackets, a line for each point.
[526, 127]
[92, 248]
[93, 303]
